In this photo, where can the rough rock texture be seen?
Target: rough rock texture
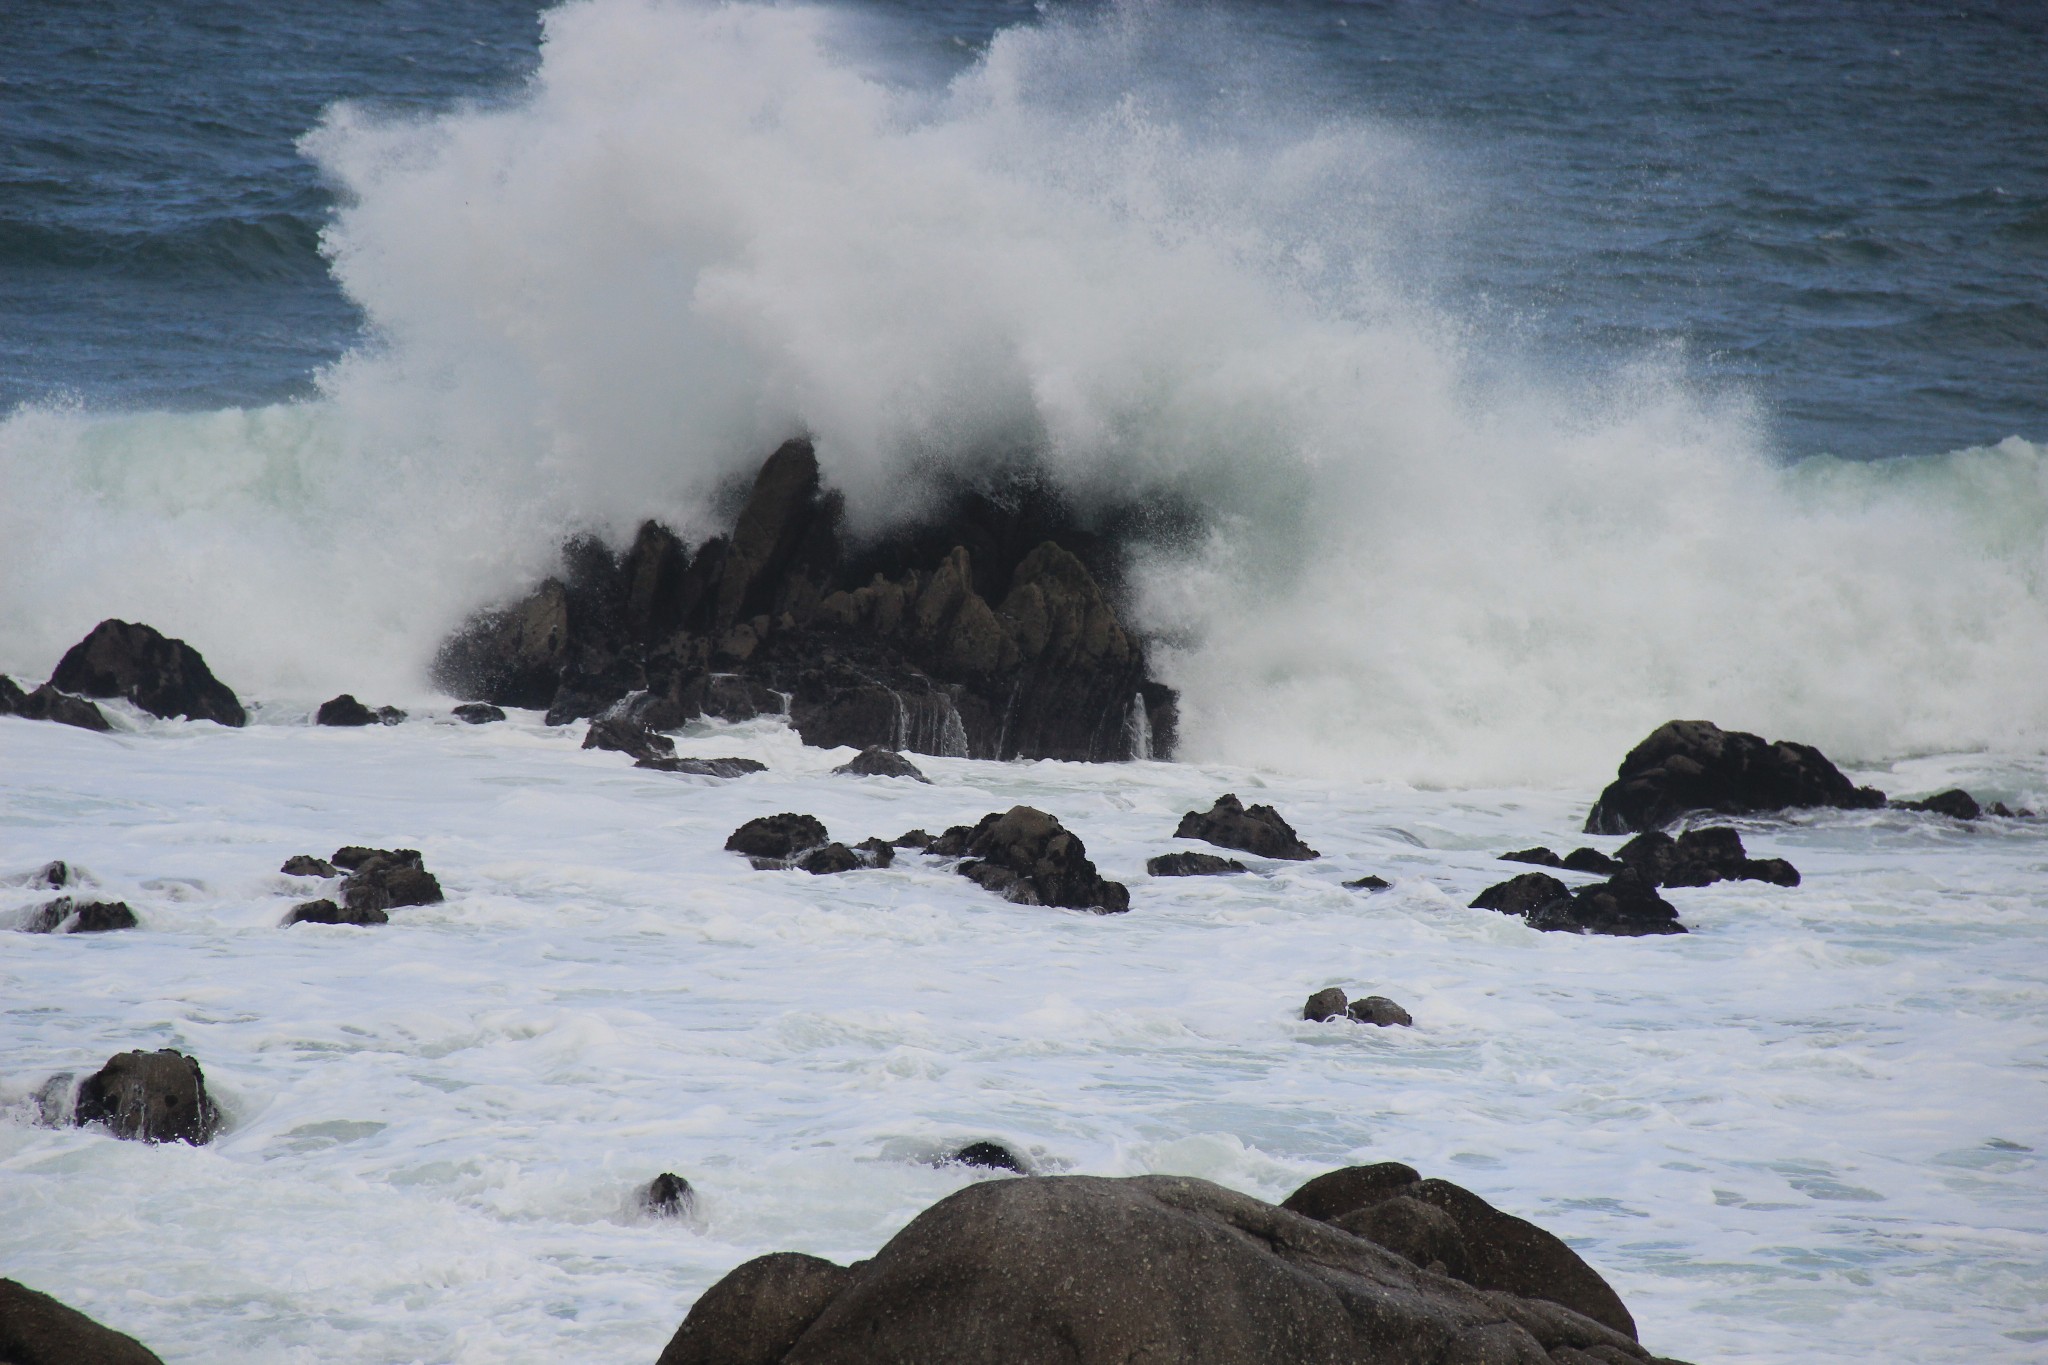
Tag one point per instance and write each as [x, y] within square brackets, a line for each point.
[1328, 1003]
[70, 916]
[306, 865]
[831, 858]
[344, 710]
[989, 1156]
[985, 633]
[1377, 1009]
[1027, 856]
[875, 761]
[702, 767]
[384, 879]
[1541, 857]
[778, 836]
[1091, 1271]
[1257, 830]
[327, 912]
[150, 1096]
[668, 1195]
[1685, 766]
[36, 1329]
[1520, 895]
[47, 703]
[1624, 905]
[1700, 857]
[1954, 803]
[164, 677]
[1191, 865]
[1369, 882]
[1590, 860]
[478, 713]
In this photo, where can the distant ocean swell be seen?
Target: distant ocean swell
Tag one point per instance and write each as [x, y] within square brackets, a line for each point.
[707, 229]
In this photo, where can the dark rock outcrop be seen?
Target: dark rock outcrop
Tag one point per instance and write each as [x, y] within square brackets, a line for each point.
[989, 1156]
[1377, 1009]
[150, 1097]
[702, 767]
[985, 634]
[164, 677]
[820, 862]
[1700, 857]
[11, 695]
[1094, 1271]
[1191, 865]
[306, 865]
[1688, 766]
[478, 713]
[346, 710]
[1498, 1251]
[47, 703]
[1955, 803]
[1520, 895]
[54, 875]
[1590, 860]
[1326, 1004]
[1257, 830]
[1369, 882]
[1624, 905]
[36, 1329]
[1541, 857]
[1027, 856]
[778, 837]
[323, 911]
[875, 761]
[69, 916]
[668, 1195]
[384, 879]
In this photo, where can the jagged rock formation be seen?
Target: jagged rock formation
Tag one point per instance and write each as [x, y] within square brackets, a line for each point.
[1255, 829]
[1700, 857]
[164, 677]
[1091, 1271]
[1191, 865]
[1027, 856]
[1694, 765]
[987, 648]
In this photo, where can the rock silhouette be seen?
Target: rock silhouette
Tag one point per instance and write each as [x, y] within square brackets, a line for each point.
[164, 677]
[1689, 766]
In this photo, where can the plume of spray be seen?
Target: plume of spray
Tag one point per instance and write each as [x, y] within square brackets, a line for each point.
[1106, 247]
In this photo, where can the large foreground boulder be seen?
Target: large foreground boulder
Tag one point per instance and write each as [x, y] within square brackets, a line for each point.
[149, 1097]
[164, 677]
[1686, 766]
[980, 632]
[36, 1329]
[1083, 1270]
[1254, 829]
[1027, 856]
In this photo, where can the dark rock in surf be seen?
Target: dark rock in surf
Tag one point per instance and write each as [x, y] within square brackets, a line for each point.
[1689, 766]
[1492, 1250]
[1520, 895]
[1623, 906]
[360, 912]
[385, 879]
[68, 916]
[986, 634]
[306, 865]
[668, 1195]
[914, 838]
[36, 1329]
[47, 703]
[1257, 830]
[830, 859]
[1328, 1003]
[781, 836]
[164, 677]
[1541, 857]
[1027, 856]
[478, 713]
[54, 875]
[1377, 1009]
[1191, 865]
[876, 761]
[876, 852]
[11, 696]
[344, 710]
[630, 737]
[1097, 1271]
[149, 1097]
[1369, 882]
[1590, 860]
[989, 1156]
[1955, 803]
[702, 767]
[1700, 857]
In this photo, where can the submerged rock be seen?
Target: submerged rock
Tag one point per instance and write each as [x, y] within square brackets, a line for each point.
[306, 865]
[1027, 856]
[875, 761]
[36, 1329]
[1541, 857]
[1689, 766]
[385, 879]
[47, 703]
[668, 1195]
[1191, 865]
[778, 836]
[984, 634]
[1520, 895]
[478, 713]
[149, 1097]
[164, 677]
[54, 875]
[1257, 830]
[68, 916]
[989, 1156]
[323, 911]
[1955, 803]
[1369, 882]
[1624, 905]
[1096, 1271]
[1377, 1009]
[346, 710]
[702, 767]
[627, 736]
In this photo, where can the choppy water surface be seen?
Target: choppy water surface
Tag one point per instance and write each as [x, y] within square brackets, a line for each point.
[1809, 1130]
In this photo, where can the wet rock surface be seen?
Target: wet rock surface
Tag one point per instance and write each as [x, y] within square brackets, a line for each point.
[163, 676]
[384, 879]
[1027, 856]
[778, 837]
[876, 761]
[989, 1156]
[1624, 905]
[1095, 1271]
[36, 1329]
[1690, 766]
[325, 911]
[306, 865]
[1257, 830]
[702, 767]
[1368, 883]
[1700, 857]
[668, 1195]
[1191, 865]
[983, 632]
[66, 915]
[1955, 803]
[149, 1097]
[47, 703]
[346, 710]
[478, 713]
[1331, 1002]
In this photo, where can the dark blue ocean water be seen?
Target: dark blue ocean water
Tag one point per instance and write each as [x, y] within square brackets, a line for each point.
[1839, 209]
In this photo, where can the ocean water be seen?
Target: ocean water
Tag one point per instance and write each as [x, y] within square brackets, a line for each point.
[1537, 373]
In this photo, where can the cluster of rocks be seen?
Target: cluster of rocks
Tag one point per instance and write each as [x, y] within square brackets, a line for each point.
[1367, 1263]
[1627, 903]
[162, 676]
[791, 840]
[346, 710]
[69, 914]
[983, 632]
[1257, 830]
[621, 731]
[1331, 1003]
[47, 703]
[1623, 906]
[374, 881]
